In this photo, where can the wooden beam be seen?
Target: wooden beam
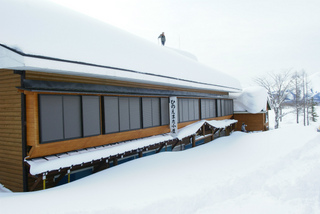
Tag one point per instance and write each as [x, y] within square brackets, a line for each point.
[161, 146]
[193, 140]
[36, 183]
[175, 144]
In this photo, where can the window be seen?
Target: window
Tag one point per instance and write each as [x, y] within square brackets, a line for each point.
[72, 117]
[121, 114]
[188, 109]
[223, 108]
[130, 113]
[91, 115]
[111, 114]
[208, 108]
[219, 108]
[51, 118]
[150, 112]
[164, 111]
[64, 117]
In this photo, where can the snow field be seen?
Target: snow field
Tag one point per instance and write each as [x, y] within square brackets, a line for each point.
[266, 172]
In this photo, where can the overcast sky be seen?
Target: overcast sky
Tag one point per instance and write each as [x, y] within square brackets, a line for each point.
[243, 38]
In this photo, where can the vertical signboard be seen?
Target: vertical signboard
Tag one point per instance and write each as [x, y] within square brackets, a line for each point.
[173, 106]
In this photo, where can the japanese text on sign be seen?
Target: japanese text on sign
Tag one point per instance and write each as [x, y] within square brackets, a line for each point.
[173, 115]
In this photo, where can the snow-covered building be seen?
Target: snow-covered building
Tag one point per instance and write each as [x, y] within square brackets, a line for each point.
[69, 82]
[251, 107]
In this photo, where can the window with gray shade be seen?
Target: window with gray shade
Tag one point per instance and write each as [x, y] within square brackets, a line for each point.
[188, 109]
[150, 112]
[134, 113]
[121, 114]
[229, 107]
[72, 122]
[223, 108]
[208, 108]
[51, 118]
[219, 108]
[91, 115]
[164, 111]
[124, 113]
[111, 114]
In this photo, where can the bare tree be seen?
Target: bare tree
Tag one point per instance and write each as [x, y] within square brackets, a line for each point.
[277, 85]
[297, 82]
[306, 98]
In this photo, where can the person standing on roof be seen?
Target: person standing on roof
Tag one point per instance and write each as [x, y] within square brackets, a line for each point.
[163, 38]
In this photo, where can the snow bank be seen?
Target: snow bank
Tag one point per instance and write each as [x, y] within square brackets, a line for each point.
[41, 165]
[252, 100]
[4, 190]
[51, 30]
[268, 172]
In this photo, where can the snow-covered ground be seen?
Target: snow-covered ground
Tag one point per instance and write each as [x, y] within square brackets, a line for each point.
[266, 172]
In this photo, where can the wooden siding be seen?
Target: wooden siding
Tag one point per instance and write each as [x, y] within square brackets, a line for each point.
[10, 132]
[39, 150]
[91, 80]
[255, 122]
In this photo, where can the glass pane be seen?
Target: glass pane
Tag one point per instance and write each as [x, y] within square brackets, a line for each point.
[72, 117]
[135, 118]
[91, 115]
[51, 118]
[147, 112]
[124, 113]
[111, 114]
[164, 111]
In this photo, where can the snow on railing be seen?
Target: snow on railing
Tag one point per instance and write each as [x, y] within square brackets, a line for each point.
[59, 161]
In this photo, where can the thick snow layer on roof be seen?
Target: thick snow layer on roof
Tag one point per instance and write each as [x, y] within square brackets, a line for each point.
[252, 100]
[42, 28]
[41, 165]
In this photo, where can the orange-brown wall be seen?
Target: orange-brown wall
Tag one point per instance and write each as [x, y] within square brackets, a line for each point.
[10, 132]
[254, 122]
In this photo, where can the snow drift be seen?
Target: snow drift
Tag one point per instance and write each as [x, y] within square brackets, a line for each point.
[252, 100]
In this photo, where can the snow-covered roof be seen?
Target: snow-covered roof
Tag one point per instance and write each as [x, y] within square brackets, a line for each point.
[251, 99]
[43, 36]
[56, 162]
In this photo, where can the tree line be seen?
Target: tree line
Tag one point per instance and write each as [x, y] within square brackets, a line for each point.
[280, 86]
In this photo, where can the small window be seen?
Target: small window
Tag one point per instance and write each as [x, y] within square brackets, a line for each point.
[111, 114]
[72, 117]
[134, 113]
[223, 108]
[208, 108]
[51, 118]
[91, 115]
[188, 109]
[150, 112]
[164, 111]
[219, 108]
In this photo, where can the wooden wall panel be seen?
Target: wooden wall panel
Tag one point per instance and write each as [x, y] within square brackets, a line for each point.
[255, 122]
[10, 131]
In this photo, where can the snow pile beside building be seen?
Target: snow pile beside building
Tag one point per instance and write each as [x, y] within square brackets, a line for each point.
[252, 100]
[56, 162]
[268, 172]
